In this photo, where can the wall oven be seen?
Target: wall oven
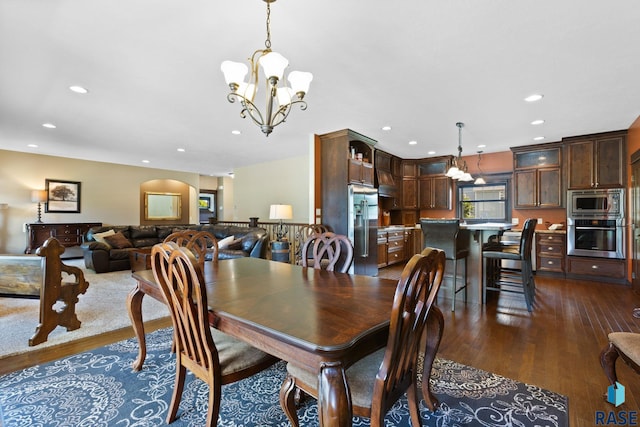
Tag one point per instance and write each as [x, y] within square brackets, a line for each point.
[596, 224]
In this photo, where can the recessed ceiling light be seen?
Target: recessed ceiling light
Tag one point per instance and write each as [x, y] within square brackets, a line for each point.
[537, 122]
[482, 145]
[146, 161]
[413, 142]
[49, 125]
[236, 132]
[182, 150]
[32, 145]
[78, 89]
[386, 127]
[431, 152]
[538, 138]
[533, 98]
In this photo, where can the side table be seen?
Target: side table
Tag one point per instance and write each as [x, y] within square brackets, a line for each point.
[140, 259]
[280, 251]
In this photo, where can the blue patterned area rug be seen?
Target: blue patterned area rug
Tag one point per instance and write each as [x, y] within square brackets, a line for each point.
[98, 388]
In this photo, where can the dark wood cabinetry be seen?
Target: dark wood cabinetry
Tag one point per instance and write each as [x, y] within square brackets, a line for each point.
[538, 176]
[434, 188]
[601, 269]
[360, 172]
[596, 161]
[69, 234]
[550, 252]
[395, 247]
[409, 185]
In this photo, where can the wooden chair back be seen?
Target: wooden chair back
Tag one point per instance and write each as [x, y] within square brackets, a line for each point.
[198, 242]
[303, 234]
[328, 251]
[415, 295]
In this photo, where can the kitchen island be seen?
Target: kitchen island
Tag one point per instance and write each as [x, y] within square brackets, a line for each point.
[479, 234]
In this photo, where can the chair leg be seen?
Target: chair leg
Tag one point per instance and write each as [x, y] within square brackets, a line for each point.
[178, 387]
[608, 359]
[287, 400]
[454, 291]
[214, 404]
[414, 406]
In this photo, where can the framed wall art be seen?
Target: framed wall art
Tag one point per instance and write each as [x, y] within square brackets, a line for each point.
[62, 196]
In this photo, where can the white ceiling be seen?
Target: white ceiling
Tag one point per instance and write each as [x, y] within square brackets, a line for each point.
[153, 72]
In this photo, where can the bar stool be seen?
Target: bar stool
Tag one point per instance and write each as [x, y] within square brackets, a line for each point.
[446, 235]
[516, 280]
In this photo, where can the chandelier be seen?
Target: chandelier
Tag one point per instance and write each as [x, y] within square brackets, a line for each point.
[279, 99]
[458, 169]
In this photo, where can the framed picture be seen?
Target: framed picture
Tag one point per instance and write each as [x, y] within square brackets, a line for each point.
[62, 196]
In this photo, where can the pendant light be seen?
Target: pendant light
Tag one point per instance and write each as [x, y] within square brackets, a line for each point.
[479, 180]
[458, 169]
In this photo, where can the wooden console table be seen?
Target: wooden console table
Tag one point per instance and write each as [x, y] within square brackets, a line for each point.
[68, 234]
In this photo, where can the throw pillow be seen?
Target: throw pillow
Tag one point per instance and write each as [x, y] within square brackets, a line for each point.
[99, 237]
[223, 243]
[118, 241]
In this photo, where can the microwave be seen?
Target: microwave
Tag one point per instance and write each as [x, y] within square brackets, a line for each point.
[596, 203]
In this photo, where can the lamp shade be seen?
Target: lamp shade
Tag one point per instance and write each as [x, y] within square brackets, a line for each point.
[300, 81]
[273, 64]
[281, 212]
[38, 196]
[234, 72]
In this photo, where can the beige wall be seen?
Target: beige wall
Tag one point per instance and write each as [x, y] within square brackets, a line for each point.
[284, 182]
[110, 193]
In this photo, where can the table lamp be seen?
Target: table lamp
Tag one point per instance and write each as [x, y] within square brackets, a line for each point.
[39, 197]
[281, 212]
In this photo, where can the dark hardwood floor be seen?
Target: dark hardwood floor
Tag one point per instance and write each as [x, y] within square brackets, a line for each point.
[556, 347]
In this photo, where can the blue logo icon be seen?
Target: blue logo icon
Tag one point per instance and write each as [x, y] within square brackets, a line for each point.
[615, 394]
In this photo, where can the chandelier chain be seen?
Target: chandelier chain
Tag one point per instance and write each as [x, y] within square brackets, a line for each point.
[267, 42]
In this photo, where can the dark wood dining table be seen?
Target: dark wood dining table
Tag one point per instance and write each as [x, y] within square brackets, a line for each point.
[320, 320]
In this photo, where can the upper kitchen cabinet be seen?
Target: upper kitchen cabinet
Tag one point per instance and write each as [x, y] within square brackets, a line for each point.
[596, 161]
[409, 185]
[537, 176]
[434, 188]
[347, 156]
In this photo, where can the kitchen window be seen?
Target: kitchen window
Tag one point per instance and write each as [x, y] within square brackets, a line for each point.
[484, 203]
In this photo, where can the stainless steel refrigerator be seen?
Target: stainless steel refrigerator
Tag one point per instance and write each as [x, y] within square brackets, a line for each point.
[363, 229]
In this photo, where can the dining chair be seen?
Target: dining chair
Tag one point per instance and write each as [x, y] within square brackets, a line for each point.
[514, 279]
[378, 380]
[211, 355]
[303, 234]
[328, 251]
[621, 344]
[201, 243]
[445, 234]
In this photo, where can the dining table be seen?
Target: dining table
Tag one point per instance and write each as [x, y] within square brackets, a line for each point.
[320, 320]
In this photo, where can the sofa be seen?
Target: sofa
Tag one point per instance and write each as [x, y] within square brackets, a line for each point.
[108, 248]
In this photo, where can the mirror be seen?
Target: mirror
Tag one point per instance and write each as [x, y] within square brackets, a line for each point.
[162, 206]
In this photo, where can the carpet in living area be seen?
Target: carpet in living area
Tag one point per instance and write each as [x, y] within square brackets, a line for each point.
[102, 308]
[98, 388]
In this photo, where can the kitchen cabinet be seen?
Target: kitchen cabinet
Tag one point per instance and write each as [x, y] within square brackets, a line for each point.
[550, 252]
[598, 269]
[338, 168]
[382, 249]
[538, 176]
[360, 172]
[596, 161]
[434, 188]
[395, 247]
[409, 185]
